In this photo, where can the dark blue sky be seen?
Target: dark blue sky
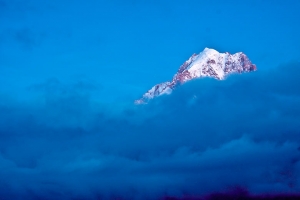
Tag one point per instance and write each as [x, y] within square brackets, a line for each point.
[70, 71]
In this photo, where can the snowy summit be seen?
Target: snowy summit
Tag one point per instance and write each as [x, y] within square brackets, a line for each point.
[208, 63]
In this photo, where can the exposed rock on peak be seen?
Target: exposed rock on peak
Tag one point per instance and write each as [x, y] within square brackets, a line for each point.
[208, 63]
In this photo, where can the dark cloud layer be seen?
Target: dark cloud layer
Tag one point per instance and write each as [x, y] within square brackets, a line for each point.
[208, 136]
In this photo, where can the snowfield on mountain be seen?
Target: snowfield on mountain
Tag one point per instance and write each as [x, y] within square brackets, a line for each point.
[208, 63]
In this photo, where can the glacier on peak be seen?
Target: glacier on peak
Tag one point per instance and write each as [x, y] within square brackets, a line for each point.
[208, 63]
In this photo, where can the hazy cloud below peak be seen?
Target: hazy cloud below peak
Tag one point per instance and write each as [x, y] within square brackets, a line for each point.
[243, 131]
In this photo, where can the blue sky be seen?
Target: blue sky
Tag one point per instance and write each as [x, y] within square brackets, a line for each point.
[70, 71]
[124, 47]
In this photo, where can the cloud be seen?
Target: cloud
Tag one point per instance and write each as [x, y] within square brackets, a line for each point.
[24, 37]
[208, 136]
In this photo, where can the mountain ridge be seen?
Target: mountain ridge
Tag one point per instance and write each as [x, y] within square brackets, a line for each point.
[208, 63]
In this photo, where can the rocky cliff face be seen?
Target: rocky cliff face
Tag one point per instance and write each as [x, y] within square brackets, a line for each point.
[208, 63]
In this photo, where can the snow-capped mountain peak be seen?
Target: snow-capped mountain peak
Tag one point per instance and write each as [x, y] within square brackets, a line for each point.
[208, 63]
